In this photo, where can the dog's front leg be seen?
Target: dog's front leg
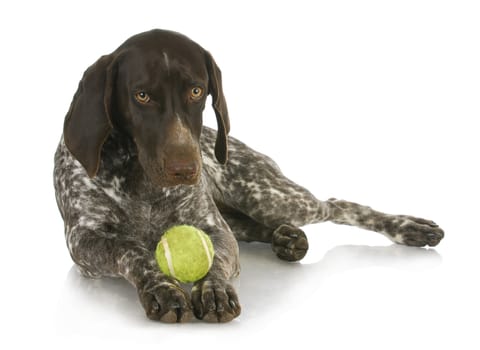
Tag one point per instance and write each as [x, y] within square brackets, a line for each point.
[213, 297]
[103, 252]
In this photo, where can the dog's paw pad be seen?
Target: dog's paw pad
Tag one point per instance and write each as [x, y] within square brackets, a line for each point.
[289, 243]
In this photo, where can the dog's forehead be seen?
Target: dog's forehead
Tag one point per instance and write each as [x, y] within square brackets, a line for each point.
[165, 51]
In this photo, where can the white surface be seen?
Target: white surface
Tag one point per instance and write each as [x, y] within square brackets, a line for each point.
[361, 100]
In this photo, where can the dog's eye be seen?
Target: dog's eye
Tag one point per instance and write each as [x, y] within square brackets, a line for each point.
[142, 97]
[196, 93]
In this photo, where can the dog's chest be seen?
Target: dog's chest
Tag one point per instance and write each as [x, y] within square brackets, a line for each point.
[148, 211]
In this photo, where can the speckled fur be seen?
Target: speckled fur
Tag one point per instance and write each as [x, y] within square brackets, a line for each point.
[114, 220]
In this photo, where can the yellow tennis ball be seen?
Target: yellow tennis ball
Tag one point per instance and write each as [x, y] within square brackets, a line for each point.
[185, 253]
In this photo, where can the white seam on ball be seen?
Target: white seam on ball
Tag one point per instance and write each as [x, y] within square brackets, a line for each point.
[205, 247]
[168, 257]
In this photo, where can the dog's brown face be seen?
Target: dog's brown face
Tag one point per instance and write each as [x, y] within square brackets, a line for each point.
[160, 95]
[152, 88]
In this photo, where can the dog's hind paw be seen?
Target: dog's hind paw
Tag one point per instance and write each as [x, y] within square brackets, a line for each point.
[415, 232]
[289, 243]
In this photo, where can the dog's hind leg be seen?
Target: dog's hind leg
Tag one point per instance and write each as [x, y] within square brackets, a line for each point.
[253, 185]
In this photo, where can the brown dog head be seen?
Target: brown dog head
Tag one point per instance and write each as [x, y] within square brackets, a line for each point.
[153, 89]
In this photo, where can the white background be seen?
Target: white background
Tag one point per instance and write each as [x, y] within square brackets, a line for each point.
[370, 101]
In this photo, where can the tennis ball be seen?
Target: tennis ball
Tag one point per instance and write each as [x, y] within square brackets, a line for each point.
[185, 253]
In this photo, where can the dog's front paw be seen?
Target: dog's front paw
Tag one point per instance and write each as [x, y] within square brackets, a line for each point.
[215, 301]
[164, 300]
[416, 232]
[289, 243]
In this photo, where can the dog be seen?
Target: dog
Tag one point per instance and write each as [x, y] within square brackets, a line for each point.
[134, 160]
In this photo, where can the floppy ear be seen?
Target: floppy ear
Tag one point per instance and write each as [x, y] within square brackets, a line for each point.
[88, 123]
[220, 107]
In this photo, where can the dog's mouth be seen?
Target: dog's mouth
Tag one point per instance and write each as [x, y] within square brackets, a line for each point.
[188, 176]
[172, 173]
[163, 179]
